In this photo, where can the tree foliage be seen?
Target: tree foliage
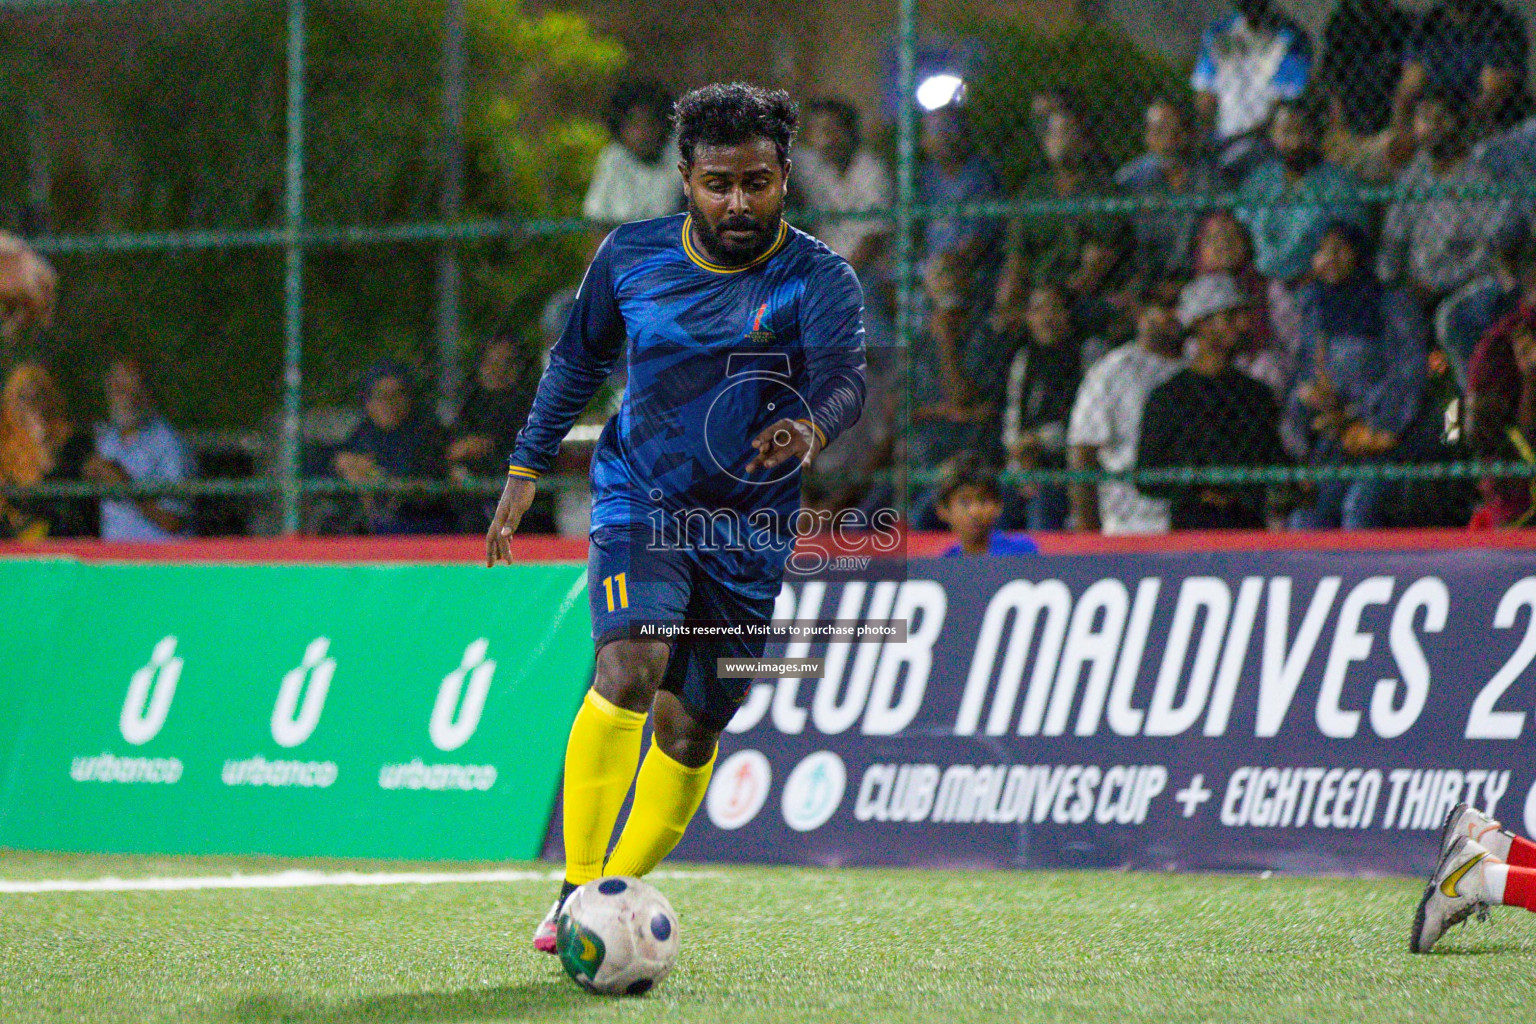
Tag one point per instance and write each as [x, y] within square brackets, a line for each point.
[191, 135]
[1112, 78]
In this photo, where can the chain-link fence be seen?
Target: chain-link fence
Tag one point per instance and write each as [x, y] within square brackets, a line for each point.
[1287, 237]
[1163, 266]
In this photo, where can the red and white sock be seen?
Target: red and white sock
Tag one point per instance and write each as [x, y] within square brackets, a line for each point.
[1520, 853]
[1509, 885]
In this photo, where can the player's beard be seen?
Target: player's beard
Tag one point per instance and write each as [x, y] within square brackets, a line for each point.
[729, 252]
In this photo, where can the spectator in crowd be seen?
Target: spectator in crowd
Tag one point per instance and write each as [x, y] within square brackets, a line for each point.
[987, 352]
[1288, 200]
[494, 410]
[1042, 382]
[1171, 166]
[636, 174]
[1106, 419]
[1050, 248]
[40, 444]
[1435, 245]
[1210, 415]
[953, 371]
[137, 445]
[835, 173]
[27, 288]
[970, 503]
[1465, 316]
[1249, 60]
[395, 440]
[1474, 50]
[1501, 396]
[1370, 118]
[1224, 246]
[842, 476]
[1101, 288]
[947, 377]
[1364, 45]
[1374, 159]
[952, 173]
[1359, 380]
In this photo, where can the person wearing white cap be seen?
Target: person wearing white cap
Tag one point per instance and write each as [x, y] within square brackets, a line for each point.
[1211, 415]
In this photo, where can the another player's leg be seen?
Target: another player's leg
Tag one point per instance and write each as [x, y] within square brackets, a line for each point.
[672, 782]
[600, 760]
[1473, 874]
[1456, 890]
[1465, 820]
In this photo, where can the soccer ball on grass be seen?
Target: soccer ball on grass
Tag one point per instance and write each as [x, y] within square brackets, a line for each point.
[617, 936]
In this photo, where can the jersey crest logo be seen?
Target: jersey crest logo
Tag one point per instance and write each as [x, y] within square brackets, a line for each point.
[759, 334]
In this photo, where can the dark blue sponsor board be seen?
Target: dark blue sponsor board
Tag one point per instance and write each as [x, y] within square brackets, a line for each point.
[1305, 712]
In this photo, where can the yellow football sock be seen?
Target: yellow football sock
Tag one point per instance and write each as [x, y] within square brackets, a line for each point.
[666, 796]
[600, 760]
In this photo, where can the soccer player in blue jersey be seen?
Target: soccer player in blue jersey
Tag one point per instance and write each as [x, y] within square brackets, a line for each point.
[746, 358]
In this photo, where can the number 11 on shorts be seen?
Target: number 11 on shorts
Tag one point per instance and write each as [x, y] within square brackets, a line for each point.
[608, 585]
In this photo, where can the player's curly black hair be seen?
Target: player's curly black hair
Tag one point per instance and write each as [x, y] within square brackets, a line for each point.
[730, 113]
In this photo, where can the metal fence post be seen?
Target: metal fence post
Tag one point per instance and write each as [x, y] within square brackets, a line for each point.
[906, 128]
[450, 201]
[293, 277]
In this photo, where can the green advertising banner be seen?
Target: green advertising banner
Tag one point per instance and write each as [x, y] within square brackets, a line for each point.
[412, 711]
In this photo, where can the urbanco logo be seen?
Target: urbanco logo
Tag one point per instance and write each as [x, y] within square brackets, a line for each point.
[739, 790]
[813, 791]
[292, 724]
[150, 692]
[453, 721]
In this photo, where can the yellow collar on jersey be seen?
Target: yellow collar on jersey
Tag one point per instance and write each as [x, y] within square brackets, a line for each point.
[717, 268]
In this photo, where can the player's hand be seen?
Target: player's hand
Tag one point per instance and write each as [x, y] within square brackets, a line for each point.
[515, 499]
[782, 441]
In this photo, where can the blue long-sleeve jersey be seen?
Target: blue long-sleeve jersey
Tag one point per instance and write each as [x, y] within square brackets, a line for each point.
[715, 355]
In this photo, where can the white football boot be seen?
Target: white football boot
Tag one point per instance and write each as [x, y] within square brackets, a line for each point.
[1466, 820]
[544, 934]
[1456, 891]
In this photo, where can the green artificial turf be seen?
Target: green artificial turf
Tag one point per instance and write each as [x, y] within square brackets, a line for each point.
[758, 944]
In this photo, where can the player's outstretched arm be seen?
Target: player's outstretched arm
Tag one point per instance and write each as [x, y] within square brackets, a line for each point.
[515, 499]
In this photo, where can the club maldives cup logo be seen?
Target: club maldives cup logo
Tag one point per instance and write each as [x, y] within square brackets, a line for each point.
[814, 790]
[739, 790]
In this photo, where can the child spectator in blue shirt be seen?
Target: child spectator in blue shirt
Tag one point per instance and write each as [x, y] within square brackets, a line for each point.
[970, 505]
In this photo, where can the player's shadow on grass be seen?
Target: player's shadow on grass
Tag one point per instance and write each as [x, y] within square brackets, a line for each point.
[556, 999]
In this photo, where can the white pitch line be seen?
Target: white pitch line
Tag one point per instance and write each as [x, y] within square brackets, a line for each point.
[297, 880]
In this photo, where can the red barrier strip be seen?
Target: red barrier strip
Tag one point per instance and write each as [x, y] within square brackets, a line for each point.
[574, 549]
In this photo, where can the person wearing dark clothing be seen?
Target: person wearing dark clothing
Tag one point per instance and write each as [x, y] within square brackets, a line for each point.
[1041, 385]
[497, 405]
[1052, 248]
[1211, 414]
[1475, 49]
[1358, 382]
[485, 430]
[1363, 49]
[1171, 166]
[396, 439]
